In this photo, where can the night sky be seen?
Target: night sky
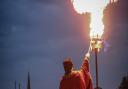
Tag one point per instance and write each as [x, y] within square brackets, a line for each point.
[36, 36]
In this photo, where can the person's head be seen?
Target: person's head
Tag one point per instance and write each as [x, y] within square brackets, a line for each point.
[68, 65]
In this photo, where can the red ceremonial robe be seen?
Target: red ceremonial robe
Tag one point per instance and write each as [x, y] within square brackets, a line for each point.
[80, 79]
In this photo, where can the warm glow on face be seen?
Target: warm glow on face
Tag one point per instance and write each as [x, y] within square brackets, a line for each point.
[95, 7]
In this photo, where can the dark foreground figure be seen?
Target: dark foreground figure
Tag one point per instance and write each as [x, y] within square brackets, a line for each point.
[124, 83]
[76, 79]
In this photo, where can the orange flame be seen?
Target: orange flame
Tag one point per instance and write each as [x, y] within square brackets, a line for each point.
[95, 7]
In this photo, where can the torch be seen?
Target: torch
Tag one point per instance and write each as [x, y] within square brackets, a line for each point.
[96, 45]
[96, 8]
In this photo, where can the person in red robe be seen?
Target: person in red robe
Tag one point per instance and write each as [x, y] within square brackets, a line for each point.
[76, 79]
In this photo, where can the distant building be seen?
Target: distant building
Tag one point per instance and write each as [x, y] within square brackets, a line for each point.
[19, 86]
[15, 84]
[28, 82]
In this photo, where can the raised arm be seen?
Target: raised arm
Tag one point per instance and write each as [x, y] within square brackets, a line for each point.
[85, 63]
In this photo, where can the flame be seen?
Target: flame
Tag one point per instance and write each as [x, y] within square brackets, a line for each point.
[95, 7]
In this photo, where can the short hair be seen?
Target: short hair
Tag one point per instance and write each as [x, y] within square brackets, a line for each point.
[67, 61]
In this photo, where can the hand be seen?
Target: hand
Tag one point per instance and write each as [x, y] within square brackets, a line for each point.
[87, 55]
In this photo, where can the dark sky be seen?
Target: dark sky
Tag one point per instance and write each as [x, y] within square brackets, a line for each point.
[36, 36]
